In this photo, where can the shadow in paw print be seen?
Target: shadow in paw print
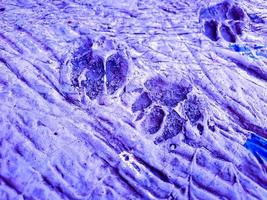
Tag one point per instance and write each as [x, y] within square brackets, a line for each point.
[116, 72]
[153, 120]
[227, 34]
[211, 30]
[142, 102]
[173, 126]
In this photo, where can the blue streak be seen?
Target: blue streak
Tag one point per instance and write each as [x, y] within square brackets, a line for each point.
[239, 48]
[258, 146]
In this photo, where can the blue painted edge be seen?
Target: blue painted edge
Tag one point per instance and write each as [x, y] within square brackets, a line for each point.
[258, 146]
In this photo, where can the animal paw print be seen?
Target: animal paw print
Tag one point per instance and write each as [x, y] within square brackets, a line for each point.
[223, 20]
[89, 71]
[159, 93]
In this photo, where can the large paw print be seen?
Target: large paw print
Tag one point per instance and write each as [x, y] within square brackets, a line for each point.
[89, 71]
[159, 93]
[223, 20]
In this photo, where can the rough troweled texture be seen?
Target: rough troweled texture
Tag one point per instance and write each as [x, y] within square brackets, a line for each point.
[133, 100]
